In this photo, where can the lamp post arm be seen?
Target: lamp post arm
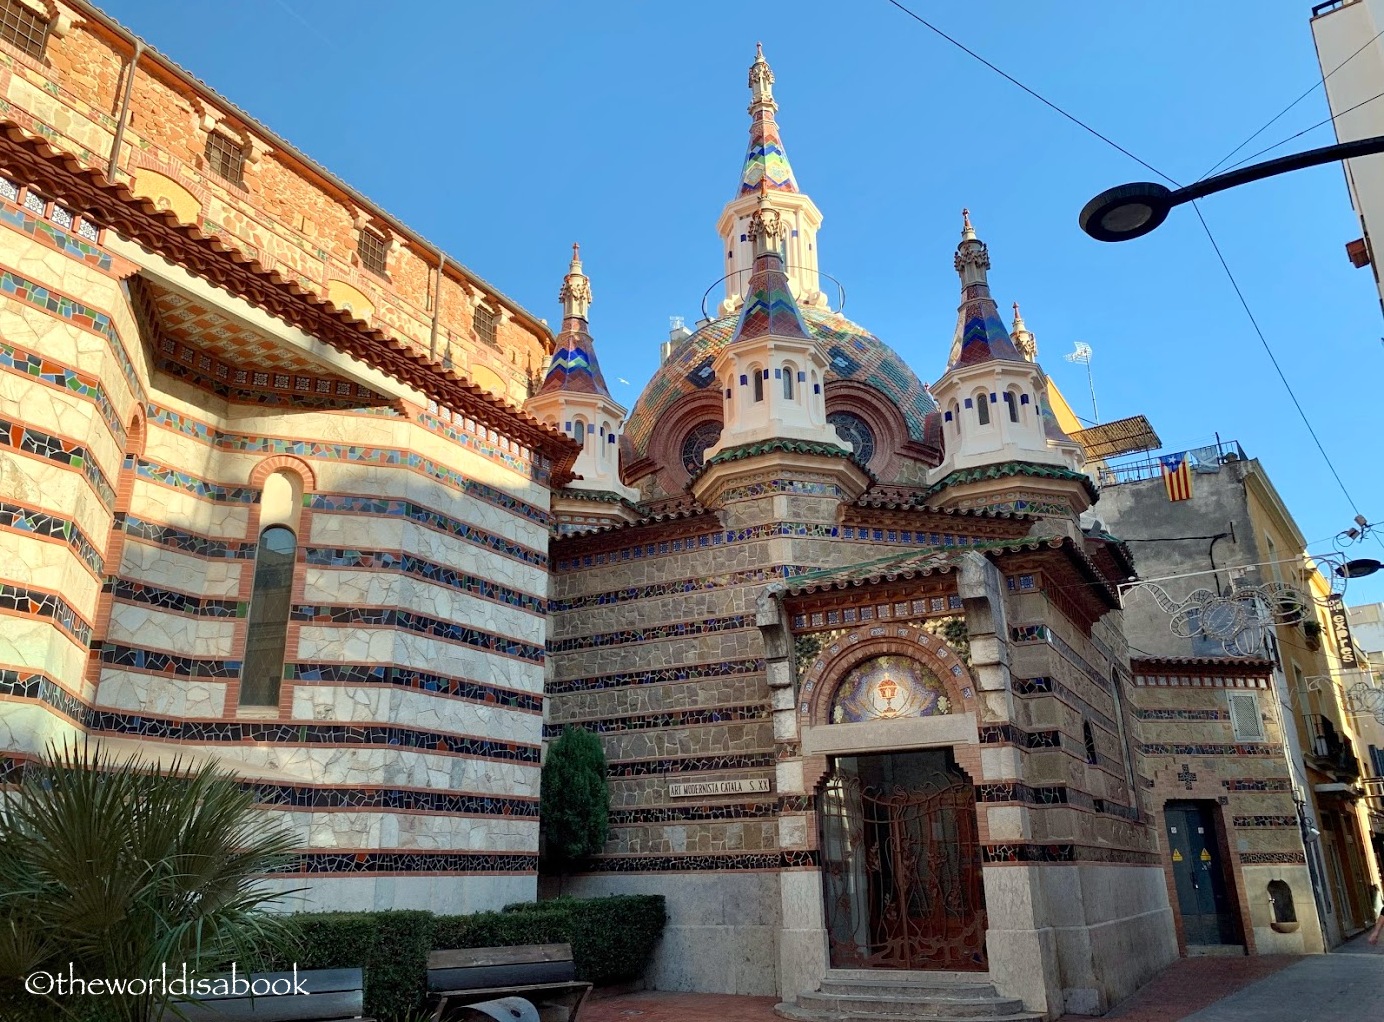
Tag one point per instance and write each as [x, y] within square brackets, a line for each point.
[1282, 165]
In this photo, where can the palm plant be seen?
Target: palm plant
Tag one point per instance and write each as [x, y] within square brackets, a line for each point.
[120, 868]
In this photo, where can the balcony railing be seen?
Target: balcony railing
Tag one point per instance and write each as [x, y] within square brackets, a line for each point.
[1333, 751]
[1209, 458]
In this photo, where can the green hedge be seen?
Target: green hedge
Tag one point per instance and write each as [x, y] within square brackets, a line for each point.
[613, 940]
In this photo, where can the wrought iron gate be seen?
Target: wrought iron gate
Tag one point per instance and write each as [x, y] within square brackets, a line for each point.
[901, 870]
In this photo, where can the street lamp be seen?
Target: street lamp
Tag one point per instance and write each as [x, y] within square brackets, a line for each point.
[1132, 210]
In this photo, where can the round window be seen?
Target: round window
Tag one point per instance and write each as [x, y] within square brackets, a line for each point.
[694, 445]
[856, 432]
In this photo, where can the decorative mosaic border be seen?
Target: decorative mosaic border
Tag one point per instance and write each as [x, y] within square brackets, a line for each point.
[491, 446]
[195, 485]
[1265, 821]
[1019, 852]
[662, 675]
[1011, 734]
[128, 590]
[1043, 685]
[759, 861]
[1254, 784]
[39, 297]
[158, 661]
[50, 236]
[401, 800]
[675, 587]
[677, 630]
[771, 486]
[1212, 749]
[198, 545]
[689, 764]
[60, 377]
[299, 733]
[23, 683]
[28, 601]
[689, 814]
[427, 571]
[413, 621]
[32, 521]
[770, 530]
[344, 503]
[1273, 858]
[57, 449]
[1180, 714]
[412, 678]
[389, 456]
[461, 863]
[698, 717]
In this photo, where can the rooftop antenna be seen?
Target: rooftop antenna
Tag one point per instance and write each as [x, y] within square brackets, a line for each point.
[1082, 355]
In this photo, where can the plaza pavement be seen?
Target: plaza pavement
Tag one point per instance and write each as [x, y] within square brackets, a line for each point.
[1345, 986]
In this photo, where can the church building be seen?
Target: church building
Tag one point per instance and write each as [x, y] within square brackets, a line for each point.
[285, 486]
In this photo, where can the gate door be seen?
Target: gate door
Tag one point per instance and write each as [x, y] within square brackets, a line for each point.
[901, 870]
[1203, 896]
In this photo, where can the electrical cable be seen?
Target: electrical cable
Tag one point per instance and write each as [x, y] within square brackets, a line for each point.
[1304, 131]
[1036, 95]
[1272, 358]
[1319, 82]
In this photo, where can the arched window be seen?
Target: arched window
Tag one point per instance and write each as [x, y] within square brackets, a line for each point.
[758, 384]
[788, 372]
[983, 409]
[1088, 738]
[1012, 405]
[696, 442]
[956, 417]
[607, 433]
[856, 432]
[266, 632]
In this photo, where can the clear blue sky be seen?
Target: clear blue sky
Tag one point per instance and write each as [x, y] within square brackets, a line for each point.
[506, 131]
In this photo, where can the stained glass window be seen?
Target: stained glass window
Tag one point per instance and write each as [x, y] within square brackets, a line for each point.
[694, 445]
[856, 432]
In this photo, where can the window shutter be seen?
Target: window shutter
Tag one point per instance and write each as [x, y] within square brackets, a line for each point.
[1244, 717]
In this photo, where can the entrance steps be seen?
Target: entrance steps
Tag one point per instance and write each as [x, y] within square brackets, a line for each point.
[883, 995]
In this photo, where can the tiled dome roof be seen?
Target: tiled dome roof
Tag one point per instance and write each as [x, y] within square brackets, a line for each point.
[855, 354]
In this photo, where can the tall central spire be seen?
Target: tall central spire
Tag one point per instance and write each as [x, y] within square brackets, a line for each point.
[766, 164]
[980, 335]
[766, 172]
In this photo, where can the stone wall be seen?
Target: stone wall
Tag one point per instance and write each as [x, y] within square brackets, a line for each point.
[404, 748]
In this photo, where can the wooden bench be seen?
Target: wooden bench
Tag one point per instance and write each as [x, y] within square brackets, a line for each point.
[334, 995]
[542, 974]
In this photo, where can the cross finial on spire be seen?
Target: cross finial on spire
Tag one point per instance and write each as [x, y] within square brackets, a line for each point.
[575, 294]
[761, 76]
[968, 232]
[1022, 337]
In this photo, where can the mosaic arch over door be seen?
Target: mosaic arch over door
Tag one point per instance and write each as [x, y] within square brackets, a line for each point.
[933, 680]
[886, 687]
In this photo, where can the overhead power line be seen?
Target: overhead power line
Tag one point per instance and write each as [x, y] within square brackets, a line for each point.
[1036, 95]
[1315, 85]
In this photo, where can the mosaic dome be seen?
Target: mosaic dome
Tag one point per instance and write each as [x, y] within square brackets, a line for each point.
[855, 354]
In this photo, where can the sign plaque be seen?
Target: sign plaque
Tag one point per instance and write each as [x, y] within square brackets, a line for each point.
[738, 786]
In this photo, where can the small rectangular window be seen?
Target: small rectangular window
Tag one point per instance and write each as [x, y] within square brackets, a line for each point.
[373, 251]
[23, 27]
[225, 157]
[1245, 721]
[485, 326]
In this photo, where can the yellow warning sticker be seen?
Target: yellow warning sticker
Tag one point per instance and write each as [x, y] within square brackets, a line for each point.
[1177, 855]
[1205, 855]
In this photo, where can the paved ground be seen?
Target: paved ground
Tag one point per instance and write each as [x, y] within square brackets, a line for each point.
[1347, 986]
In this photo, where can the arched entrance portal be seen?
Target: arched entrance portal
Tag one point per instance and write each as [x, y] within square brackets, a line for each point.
[901, 869]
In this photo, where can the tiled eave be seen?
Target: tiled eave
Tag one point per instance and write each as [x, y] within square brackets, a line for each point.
[32, 160]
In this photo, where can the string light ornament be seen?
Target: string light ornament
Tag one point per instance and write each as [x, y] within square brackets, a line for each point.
[1238, 619]
[1362, 698]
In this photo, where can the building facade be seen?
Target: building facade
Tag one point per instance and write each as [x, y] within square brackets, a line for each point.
[1241, 703]
[1365, 703]
[1351, 54]
[249, 509]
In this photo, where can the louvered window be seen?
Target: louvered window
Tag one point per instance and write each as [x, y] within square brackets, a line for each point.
[1245, 720]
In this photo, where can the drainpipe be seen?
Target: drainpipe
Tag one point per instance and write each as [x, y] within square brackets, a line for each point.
[124, 109]
[437, 304]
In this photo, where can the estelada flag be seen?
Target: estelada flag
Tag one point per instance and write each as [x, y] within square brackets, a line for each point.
[1177, 476]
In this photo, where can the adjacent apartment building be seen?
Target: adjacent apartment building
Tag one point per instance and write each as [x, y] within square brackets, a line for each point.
[1239, 689]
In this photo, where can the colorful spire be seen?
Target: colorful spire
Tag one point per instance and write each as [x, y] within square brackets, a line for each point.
[766, 164]
[574, 368]
[980, 335]
[1022, 337]
[770, 309]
